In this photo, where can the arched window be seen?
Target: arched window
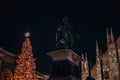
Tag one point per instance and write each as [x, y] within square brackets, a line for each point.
[6, 75]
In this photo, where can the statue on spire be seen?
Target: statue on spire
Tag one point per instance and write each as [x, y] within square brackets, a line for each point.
[64, 35]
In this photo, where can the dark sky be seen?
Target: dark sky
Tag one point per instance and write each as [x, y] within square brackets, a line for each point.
[89, 20]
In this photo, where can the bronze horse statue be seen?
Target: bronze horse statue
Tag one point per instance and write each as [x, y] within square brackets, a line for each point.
[63, 35]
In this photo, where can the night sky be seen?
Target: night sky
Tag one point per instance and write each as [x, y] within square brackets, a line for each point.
[89, 20]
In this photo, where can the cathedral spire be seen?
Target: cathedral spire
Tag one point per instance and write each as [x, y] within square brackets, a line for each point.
[112, 36]
[108, 37]
[98, 65]
[97, 53]
[97, 48]
[85, 67]
[82, 56]
[118, 42]
[86, 57]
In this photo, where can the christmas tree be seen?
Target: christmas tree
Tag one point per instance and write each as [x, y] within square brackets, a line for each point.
[26, 67]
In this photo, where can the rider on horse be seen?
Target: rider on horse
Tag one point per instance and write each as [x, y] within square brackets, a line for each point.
[64, 35]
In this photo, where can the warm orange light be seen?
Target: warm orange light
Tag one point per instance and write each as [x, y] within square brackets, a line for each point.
[26, 68]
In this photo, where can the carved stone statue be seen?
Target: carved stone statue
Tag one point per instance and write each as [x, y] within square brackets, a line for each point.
[63, 35]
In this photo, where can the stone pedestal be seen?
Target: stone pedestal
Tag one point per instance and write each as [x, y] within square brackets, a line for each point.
[66, 65]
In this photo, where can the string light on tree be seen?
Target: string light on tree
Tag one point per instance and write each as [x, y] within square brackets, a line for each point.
[26, 67]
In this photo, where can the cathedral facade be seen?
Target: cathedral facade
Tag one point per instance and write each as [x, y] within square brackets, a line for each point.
[107, 65]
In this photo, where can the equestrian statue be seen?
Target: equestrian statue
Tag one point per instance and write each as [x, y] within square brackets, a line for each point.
[64, 35]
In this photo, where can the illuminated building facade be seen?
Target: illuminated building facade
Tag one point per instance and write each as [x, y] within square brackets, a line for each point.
[7, 64]
[107, 65]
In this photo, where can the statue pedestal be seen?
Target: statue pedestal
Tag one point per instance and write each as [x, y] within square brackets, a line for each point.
[66, 65]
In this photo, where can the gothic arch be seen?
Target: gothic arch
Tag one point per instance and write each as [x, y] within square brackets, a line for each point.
[6, 75]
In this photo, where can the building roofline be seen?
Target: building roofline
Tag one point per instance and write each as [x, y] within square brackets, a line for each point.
[7, 53]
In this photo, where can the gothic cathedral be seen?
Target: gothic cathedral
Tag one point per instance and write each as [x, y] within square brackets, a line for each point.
[107, 65]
